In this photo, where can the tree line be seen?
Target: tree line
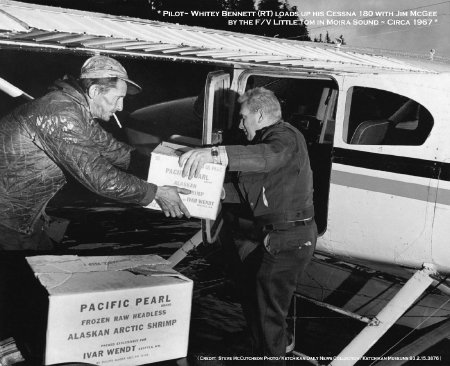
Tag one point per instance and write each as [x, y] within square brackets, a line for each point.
[154, 10]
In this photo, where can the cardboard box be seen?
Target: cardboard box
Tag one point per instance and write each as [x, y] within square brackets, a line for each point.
[121, 310]
[204, 200]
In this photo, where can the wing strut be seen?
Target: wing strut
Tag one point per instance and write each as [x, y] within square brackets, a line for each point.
[386, 318]
[12, 90]
[191, 244]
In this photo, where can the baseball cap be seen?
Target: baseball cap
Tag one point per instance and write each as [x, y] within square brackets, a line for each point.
[98, 67]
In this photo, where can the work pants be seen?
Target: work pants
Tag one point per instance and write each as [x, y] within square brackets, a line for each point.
[38, 239]
[267, 278]
[14, 247]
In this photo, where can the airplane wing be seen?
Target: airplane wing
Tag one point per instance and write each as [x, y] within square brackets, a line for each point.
[41, 27]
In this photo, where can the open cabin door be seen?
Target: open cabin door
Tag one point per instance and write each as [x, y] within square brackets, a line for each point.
[216, 117]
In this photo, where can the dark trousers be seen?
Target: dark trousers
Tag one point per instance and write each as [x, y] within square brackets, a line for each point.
[38, 239]
[267, 279]
[14, 247]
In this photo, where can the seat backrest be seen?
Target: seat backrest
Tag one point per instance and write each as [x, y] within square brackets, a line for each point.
[370, 132]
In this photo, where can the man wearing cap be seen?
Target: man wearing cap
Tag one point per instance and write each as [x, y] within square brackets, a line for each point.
[59, 132]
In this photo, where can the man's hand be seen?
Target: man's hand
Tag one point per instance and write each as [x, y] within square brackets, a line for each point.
[194, 160]
[169, 200]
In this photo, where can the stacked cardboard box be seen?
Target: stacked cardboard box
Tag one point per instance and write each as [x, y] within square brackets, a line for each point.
[120, 310]
[203, 202]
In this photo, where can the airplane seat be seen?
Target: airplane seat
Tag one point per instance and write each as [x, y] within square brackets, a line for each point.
[410, 131]
[308, 125]
[398, 135]
[370, 132]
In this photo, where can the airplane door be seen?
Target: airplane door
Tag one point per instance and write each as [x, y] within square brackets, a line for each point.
[215, 110]
[216, 117]
[381, 193]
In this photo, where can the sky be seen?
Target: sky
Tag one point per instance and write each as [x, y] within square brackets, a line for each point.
[431, 31]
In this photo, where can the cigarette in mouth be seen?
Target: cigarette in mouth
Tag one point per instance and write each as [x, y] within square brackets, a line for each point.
[117, 120]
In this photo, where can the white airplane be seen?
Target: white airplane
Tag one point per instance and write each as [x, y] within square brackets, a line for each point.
[377, 130]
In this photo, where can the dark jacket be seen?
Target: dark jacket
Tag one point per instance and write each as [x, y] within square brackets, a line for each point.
[55, 132]
[275, 178]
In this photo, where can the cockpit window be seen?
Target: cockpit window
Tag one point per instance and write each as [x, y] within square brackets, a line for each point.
[306, 103]
[378, 117]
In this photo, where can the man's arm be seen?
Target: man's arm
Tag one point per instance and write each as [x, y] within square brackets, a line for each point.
[68, 143]
[274, 152]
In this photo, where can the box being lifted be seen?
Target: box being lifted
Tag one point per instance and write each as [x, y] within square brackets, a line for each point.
[204, 200]
[114, 310]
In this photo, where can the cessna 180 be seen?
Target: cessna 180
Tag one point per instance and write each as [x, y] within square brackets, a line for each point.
[377, 130]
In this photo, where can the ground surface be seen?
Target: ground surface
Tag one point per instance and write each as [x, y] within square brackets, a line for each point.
[100, 227]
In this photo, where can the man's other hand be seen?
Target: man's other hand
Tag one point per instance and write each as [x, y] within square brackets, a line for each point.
[168, 198]
[194, 160]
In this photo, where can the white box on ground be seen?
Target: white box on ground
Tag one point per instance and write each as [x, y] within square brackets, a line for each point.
[114, 310]
[204, 200]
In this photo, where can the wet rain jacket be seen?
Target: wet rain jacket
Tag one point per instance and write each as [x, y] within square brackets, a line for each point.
[55, 132]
